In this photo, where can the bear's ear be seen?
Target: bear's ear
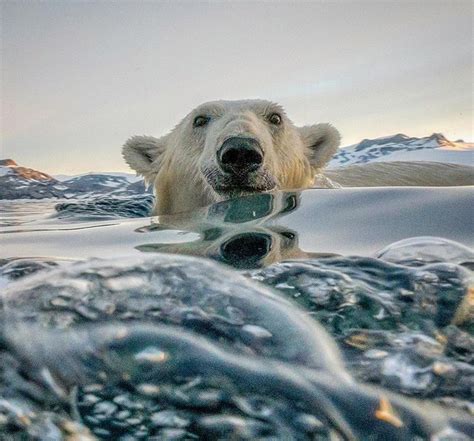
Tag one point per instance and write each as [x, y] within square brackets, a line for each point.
[143, 154]
[322, 142]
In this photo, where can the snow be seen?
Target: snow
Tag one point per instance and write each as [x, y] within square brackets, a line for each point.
[129, 176]
[5, 171]
[431, 144]
[403, 148]
[436, 155]
[112, 183]
[4, 282]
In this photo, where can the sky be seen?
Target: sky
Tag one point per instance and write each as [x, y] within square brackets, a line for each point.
[78, 78]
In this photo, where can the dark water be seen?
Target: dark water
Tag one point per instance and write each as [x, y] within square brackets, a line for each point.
[341, 314]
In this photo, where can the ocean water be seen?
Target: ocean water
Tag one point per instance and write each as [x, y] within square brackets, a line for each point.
[323, 314]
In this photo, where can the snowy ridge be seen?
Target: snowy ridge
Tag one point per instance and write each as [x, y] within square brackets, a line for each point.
[129, 176]
[401, 147]
[18, 182]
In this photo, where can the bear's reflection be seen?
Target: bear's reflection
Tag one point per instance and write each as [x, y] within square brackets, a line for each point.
[236, 231]
[259, 207]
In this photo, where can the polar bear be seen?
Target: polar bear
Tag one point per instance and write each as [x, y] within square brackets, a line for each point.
[224, 149]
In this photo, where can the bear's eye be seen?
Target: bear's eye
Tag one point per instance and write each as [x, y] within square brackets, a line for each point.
[200, 121]
[275, 119]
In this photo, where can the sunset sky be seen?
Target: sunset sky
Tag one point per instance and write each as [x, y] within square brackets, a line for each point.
[79, 78]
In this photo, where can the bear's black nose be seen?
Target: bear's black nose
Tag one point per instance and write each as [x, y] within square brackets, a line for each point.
[240, 155]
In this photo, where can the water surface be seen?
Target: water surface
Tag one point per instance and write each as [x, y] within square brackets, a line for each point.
[348, 221]
[334, 310]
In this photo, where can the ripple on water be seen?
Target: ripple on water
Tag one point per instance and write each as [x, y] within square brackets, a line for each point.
[105, 208]
[386, 315]
[417, 251]
[181, 348]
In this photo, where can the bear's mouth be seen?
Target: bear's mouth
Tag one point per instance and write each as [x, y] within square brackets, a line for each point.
[237, 185]
[239, 190]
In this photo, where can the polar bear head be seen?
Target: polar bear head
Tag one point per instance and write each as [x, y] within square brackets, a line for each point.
[224, 149]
